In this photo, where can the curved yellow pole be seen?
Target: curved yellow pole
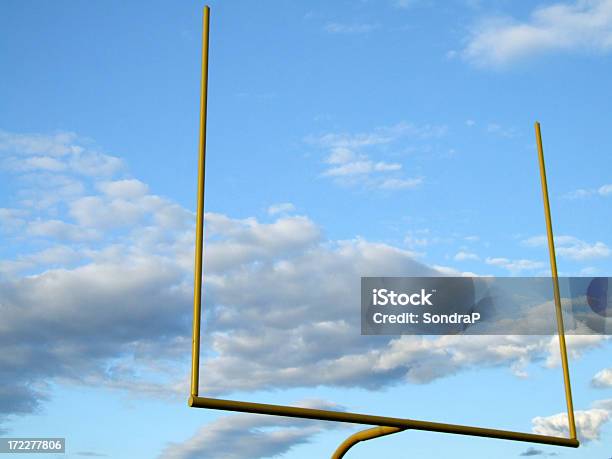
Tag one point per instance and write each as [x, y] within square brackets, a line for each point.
[363, 435]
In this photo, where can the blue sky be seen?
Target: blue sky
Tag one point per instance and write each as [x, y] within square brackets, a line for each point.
[345, 139]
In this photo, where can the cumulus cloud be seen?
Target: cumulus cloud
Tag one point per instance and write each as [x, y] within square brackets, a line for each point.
[12, 219]
[63, 151]
[281, 302]
[45, 191]
[588, 424]
[571, 247]
[94, 212]
[240, 242]
[123, 189]
[250, 436]
[580, 26]
[57, 255]
[60, 144]
[120, 317]
[59, 230]
[603, 379]
[577, 345]
[80, 302]
[41, 163]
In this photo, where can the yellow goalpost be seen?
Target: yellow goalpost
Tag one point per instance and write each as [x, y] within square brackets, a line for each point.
[385, 425]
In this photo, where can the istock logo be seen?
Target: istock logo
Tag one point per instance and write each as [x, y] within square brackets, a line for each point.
[383, 297]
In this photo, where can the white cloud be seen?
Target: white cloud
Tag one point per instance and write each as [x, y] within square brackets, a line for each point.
[584, 251]
[578, 194]
[59, 144]
[572, 247]
[139, 289]
[576, 346]
[52, 256]
[463, 256]
[12, 219]
[361, 167]
[588, 424]
[514, 266]
[250, 240]
[98, 213]
[400, 184]
[91, 315]
[60, 230]
[44, 190]
[40, 162]
[248, 436]
[588, 271]
[54, 153]
[581, 26]
[125, 203]
[348, 164]
[340, 155]
[124, 189]
[604, 190]
[96, 164]
[280, 208]
[379, 136]
[603, 379]
[279, 303]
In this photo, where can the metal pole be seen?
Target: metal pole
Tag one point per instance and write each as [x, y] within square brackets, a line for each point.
[358, 418]
[197, 285]
[363, 435]
[555, 279]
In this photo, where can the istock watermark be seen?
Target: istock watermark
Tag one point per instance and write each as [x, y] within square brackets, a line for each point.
[483, 305]
[382, 297]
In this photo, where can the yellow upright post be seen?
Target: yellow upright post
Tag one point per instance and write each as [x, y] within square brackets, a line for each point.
[555, 279]
[197, 290]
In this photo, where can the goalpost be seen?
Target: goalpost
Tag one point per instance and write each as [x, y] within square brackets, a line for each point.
[386, 425]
